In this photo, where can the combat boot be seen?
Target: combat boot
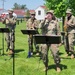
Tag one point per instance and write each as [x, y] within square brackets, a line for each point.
[37, 54]
[66, 55]
[46, 68]
[10, 52]
[58, 68]
[72, 56]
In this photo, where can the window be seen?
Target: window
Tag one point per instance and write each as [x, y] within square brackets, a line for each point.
[39, 12]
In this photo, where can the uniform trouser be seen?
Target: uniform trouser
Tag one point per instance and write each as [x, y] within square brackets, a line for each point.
[54, 51]
[69, 46]
[30, 43]
[10, 38]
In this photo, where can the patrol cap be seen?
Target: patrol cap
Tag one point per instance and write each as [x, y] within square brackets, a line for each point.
[32, 13]
[50, 11]
[68, 11]
[10, 10]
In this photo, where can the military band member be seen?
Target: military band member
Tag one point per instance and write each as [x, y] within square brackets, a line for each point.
[50, 26]
[10, 22]
[32, 24]
[70, 29]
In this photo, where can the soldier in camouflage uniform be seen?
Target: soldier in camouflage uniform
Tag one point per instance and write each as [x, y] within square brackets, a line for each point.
[50, 26]
[70, 29]
[10, 22]
[32, 24]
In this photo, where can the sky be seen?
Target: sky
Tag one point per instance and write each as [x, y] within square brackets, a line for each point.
[30, 4]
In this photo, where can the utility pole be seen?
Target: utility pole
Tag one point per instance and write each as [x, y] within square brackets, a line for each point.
[3, 4]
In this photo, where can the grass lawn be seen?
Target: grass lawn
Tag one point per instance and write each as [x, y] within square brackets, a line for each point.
[31, 66]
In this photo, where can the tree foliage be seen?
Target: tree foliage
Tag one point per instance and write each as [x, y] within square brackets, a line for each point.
[18, 6]
[60, 6]
[27, 13]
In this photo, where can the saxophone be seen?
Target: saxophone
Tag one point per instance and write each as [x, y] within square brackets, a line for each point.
[67, 21]
[32, 25]
[65, 27]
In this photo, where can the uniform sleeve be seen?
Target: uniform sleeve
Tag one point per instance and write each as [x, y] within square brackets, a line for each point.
[3, 21]
[27, 27]
[36, 24]
[15, 19]
[41, 24]
[65, 21]
[58, 29]
[71, 22]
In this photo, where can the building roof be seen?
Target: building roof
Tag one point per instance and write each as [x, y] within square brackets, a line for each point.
[19, 12]
[44, 7]
[31, 11]
[1, 9]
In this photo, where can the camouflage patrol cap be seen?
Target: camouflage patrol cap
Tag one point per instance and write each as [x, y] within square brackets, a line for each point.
[68, 11]
[50, 11]
[10, 10]
[32, 13]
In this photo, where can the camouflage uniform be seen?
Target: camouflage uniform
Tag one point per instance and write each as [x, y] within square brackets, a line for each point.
[32, 24]
[50, 28]
[10, 22]
[70, 31]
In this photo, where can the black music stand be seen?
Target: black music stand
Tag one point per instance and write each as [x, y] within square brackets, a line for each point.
[63, 33]
[29, 32]
[3, 30]
[44, 39]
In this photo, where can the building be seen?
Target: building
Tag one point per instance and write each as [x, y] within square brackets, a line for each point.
[40, 12]
[20, 13]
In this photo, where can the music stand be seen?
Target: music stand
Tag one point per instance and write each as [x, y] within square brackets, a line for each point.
[29, 32]
[63, 33]
[3, 30]
[44, 39]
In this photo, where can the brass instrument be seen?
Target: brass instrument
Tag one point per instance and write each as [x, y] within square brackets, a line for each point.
[66, 25]
[65, 28]
[31, 28]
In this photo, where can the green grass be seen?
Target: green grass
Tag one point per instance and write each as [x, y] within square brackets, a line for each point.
[31, 66]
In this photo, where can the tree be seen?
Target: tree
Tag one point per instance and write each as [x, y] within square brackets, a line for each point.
[60, 6]
[57, 5]
[27, 14]
[18, 6]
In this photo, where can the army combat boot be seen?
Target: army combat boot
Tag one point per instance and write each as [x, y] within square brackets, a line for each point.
[58, 68]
